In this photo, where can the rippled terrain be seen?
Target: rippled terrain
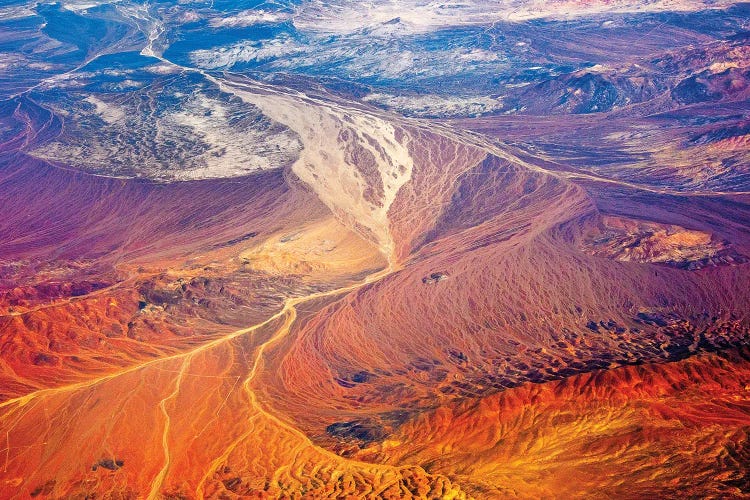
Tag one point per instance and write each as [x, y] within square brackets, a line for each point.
[393, 249]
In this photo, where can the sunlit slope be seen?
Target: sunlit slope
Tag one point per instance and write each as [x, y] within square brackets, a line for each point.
[676, 429]
[190, 425]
